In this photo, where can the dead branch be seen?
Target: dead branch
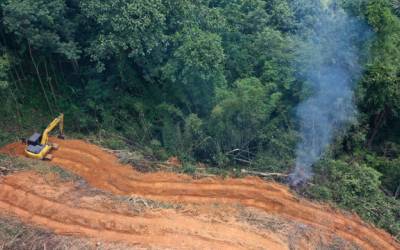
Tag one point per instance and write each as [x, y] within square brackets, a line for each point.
[205, 175]
[232, 151]
[112, 151]
[4, 169]
[244, 171]
[242, 160]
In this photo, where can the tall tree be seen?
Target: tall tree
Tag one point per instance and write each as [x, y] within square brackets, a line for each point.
[381, 84]
[42, 24]
[195, 69]
[124, 28]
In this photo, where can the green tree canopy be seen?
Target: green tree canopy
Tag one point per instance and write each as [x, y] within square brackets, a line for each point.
[45, 25]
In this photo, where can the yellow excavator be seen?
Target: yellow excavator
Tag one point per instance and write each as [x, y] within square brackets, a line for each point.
[38, 145]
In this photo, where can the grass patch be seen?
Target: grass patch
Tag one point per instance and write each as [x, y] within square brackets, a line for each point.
[188, 169]
[14, 235]
[63, 174]
[294, 232]
[138, 204]
[6, 138]
[9, 165]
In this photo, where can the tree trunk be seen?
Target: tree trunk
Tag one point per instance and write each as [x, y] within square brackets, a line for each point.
[377, 124]
[61, 70]
[18, 81]
[397, 194]
[40, 79]
[22, 72]
[50, 84]
[57, 84]
[18, 113]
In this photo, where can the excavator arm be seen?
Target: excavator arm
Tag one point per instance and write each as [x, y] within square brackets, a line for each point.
[59, 121]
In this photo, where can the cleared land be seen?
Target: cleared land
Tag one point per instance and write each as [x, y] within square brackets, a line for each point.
[66, 209]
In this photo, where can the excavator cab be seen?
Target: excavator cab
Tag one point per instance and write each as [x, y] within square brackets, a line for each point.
[38, 146]
[33, 143]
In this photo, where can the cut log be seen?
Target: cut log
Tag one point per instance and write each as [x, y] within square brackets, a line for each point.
[244, 171]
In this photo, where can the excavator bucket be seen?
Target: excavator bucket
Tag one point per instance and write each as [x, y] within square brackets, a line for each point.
[48, 157]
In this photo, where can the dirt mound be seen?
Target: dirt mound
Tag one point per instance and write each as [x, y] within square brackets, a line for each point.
[101, 170]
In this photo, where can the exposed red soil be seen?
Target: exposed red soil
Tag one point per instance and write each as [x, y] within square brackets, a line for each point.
[32, 199]
[102, 170]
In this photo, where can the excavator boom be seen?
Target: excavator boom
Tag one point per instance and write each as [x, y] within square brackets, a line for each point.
[58, 121]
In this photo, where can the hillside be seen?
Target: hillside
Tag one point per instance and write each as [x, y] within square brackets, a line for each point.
[196, 95]
[114, 202]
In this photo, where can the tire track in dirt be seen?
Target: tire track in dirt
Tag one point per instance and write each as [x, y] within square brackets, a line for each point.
[101, 170]
[171, 230]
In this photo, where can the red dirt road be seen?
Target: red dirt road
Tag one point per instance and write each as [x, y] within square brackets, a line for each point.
[102, 170]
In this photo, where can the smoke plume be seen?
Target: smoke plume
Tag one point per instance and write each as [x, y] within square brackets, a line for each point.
[330, 67]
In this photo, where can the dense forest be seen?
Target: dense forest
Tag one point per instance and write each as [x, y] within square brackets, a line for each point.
[213, 81]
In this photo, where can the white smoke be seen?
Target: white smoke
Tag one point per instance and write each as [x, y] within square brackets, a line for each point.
[330, 67]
